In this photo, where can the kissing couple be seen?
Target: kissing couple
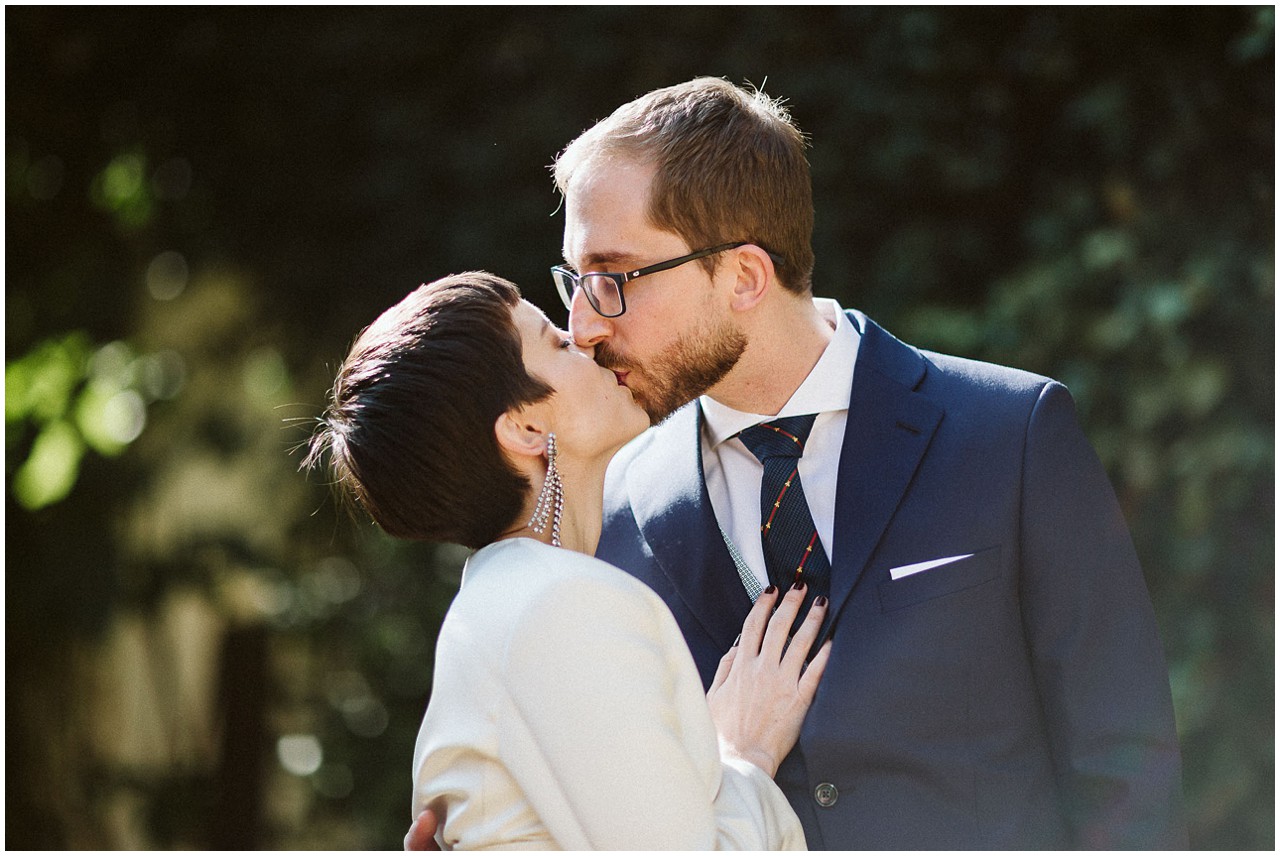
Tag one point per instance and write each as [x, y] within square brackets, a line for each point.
[749, 572]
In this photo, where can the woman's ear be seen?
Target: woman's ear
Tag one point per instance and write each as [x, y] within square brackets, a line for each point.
[520, 435]
[754, 271]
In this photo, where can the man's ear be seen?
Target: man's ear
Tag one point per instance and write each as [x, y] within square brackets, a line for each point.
[754, 271]
[520, 435]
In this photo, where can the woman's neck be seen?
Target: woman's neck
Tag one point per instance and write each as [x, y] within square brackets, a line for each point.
[583, 510]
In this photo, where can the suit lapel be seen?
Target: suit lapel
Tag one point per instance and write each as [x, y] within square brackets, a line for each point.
[673, 510]
[889, 428]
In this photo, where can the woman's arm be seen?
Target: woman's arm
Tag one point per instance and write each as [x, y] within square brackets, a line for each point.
[611, 740]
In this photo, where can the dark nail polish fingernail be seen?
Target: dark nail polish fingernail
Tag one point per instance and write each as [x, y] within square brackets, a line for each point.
[799, 586]
[820, 601]
[770, 590]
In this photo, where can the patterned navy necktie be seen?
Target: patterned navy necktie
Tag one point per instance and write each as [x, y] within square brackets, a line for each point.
[792, 550]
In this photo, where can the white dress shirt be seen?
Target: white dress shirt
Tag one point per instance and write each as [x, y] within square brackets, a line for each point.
[567, 713]
[733, 474]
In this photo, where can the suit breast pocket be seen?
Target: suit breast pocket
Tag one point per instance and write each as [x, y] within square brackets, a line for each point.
[949, 578]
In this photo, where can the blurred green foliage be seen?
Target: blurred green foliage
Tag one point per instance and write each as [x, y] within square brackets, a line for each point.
[204, 207]
[64, 399]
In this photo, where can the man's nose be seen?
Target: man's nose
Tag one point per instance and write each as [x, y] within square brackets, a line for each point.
[587, 326]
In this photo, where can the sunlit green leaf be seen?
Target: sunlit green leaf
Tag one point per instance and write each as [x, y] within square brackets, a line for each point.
[121, 181]
[50, 471]
[39, 385]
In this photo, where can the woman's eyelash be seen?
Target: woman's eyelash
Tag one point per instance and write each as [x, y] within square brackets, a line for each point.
[566, 343]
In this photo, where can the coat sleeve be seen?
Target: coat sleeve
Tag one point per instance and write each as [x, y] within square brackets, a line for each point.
[1099, 665]
[607, 742]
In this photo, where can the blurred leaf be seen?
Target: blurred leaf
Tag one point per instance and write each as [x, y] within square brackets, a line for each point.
[49, 472]
[39, 386]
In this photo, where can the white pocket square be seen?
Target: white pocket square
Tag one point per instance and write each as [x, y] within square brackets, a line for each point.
[908, 570]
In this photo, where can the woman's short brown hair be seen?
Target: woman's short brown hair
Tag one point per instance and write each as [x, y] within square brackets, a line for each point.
[730, 166]
[409, 429]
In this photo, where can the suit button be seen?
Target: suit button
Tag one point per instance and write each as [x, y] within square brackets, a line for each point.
[826, 794]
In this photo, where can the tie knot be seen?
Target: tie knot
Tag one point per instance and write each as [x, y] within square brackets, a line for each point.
[779, 438]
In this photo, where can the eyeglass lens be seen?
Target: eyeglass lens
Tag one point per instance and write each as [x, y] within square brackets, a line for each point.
[602, 292]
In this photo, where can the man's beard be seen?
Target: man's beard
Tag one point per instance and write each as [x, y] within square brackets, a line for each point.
[684, 370]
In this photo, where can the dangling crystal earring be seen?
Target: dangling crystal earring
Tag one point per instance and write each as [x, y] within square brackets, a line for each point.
[551, 499]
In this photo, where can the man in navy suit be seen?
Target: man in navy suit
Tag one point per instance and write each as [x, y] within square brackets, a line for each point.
[996, 680]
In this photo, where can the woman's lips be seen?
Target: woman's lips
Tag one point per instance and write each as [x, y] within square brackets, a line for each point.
[621, 376]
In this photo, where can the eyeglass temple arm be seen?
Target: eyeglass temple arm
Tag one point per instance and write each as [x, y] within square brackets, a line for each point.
[710, 251]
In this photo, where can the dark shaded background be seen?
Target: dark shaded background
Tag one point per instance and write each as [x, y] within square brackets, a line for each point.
[204, 207]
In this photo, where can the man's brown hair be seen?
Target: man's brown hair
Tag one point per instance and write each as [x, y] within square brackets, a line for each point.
[730, 166]
[409, 429]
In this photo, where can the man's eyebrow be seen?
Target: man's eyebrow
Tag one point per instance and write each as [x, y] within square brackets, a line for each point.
[608, 257]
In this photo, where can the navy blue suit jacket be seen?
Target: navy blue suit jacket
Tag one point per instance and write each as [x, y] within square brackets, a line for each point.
[1015, 699]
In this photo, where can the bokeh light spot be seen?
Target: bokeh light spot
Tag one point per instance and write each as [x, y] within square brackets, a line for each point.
[122, 180]
[300, 754]
[112, 363]
[124, 416]
[265, 374]
[366, 717]
[167, 275]
[162, 375]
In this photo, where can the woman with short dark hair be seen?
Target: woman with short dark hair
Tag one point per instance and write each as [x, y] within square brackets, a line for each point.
[566, 711]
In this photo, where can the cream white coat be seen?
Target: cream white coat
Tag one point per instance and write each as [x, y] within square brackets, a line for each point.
[567, 713]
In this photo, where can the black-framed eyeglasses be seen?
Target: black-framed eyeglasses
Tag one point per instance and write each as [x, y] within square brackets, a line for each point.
[604, 290]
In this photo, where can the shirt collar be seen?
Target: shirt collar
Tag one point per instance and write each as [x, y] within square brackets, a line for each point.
[825, 389]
